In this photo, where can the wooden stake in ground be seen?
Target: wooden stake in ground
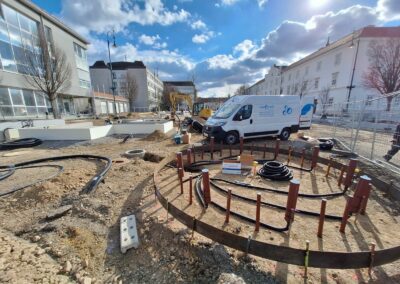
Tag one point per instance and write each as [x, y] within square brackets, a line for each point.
[228, 206]
[321, 218]
[258, 206]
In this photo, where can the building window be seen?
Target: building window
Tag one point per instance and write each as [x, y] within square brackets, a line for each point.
[288, 90]
[304, 86]
[316, 83]
[330, 101]
[84, 84]
[296, 88]
[306, 71]
[297, 74]
[290, 76]
[319, 63]
[334, 79]
[338, 58]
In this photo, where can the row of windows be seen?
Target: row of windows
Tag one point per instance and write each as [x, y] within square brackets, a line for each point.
[336, 62]
[16, 102]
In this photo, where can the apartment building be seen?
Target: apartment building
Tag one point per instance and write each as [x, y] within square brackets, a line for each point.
[338, 67]
[20, 23]
[149, 85]
[258, 88]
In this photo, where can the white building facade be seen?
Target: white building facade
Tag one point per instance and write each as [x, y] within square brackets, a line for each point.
[149, 85]
[338, 67]
[20, 23]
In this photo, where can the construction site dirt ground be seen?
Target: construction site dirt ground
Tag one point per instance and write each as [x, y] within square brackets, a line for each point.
[83, 245]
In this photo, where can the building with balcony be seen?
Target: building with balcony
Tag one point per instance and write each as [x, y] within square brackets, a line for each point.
[20, 24]
[149, 85]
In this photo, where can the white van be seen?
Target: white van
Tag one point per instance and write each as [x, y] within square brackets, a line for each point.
[259, 116]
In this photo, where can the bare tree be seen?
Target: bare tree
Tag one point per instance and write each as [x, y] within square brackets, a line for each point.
[242, 90]
[383, 73]
[131, 89]
[47, 70]
[324, 99]
[165, 101]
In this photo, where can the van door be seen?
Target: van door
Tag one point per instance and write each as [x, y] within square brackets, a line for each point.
[243, 121]
[307, 112]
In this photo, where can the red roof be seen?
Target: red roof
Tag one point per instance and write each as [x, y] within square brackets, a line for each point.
[380, 32]
[110, 97]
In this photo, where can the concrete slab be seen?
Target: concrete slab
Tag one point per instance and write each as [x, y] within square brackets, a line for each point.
[129, 236]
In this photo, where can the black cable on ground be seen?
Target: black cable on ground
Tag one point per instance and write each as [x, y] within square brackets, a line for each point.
[10, 169]
[199, 193]
[60, 169]
[93, 183]
[304, 212]
[275, 171]
[259, 188]
[20, 143]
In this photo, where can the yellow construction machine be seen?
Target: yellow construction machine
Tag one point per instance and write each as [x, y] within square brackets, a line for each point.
[196, 109]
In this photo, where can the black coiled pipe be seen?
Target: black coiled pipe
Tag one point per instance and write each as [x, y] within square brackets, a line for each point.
[20, 143]
[275, 171]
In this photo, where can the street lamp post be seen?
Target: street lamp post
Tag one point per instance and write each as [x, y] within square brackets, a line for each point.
[111, 34]
[351, 86]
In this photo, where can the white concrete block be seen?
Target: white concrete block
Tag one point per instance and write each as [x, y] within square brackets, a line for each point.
[129, 235]
[11, 134]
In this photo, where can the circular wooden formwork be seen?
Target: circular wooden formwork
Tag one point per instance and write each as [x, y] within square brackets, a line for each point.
[317, 259]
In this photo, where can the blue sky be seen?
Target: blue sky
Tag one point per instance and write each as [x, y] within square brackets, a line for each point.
[221, 44]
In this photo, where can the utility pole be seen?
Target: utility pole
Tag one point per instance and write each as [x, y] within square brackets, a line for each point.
[109, 34]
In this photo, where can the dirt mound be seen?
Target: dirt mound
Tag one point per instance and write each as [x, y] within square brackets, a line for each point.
[157, 135]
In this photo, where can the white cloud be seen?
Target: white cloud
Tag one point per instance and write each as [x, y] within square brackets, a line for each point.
[262, 3]
[245, 48]
[203, 38]
[102, 15]
[154, 41]
[198, 25]
[228, 2]
[389, 10]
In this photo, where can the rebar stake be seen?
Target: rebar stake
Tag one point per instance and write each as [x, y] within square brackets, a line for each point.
[180, 175]
[212, 147]
[341, 175]
[258, 205]
[328, 169]
[372, 258]
[302, 158]
[289, 157]
[306, 259]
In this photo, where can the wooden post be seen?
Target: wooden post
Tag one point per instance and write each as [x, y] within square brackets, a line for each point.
[194, 153]
[265, 149]
[190, 190]
[180, 175]
[241, 145]
[221, 149]
[328, 169]
[206, 186]
[202, 152]
[362, 192]
[228, 206]
[341, 176]
[345, 215]
[212, 148]
[258, 205]
[314, 159]
[179, 160]
[292, 198]
[277, 147]
[351, 168]
[321, 218]
[302, 158]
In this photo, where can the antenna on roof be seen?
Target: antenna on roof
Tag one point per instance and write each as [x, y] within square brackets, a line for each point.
[327, 42]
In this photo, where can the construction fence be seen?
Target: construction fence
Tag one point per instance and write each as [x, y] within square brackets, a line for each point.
[370, 128]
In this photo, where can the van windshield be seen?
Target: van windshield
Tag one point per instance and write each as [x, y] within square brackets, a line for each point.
[226, 111]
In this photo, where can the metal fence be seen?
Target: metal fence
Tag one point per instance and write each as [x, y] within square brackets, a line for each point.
[369, 128]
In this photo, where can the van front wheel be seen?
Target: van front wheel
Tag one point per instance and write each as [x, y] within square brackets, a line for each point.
[285, 134]
[231, 138]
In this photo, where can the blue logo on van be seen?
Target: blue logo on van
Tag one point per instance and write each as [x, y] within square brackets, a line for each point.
[306, 109]
[287, 110]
